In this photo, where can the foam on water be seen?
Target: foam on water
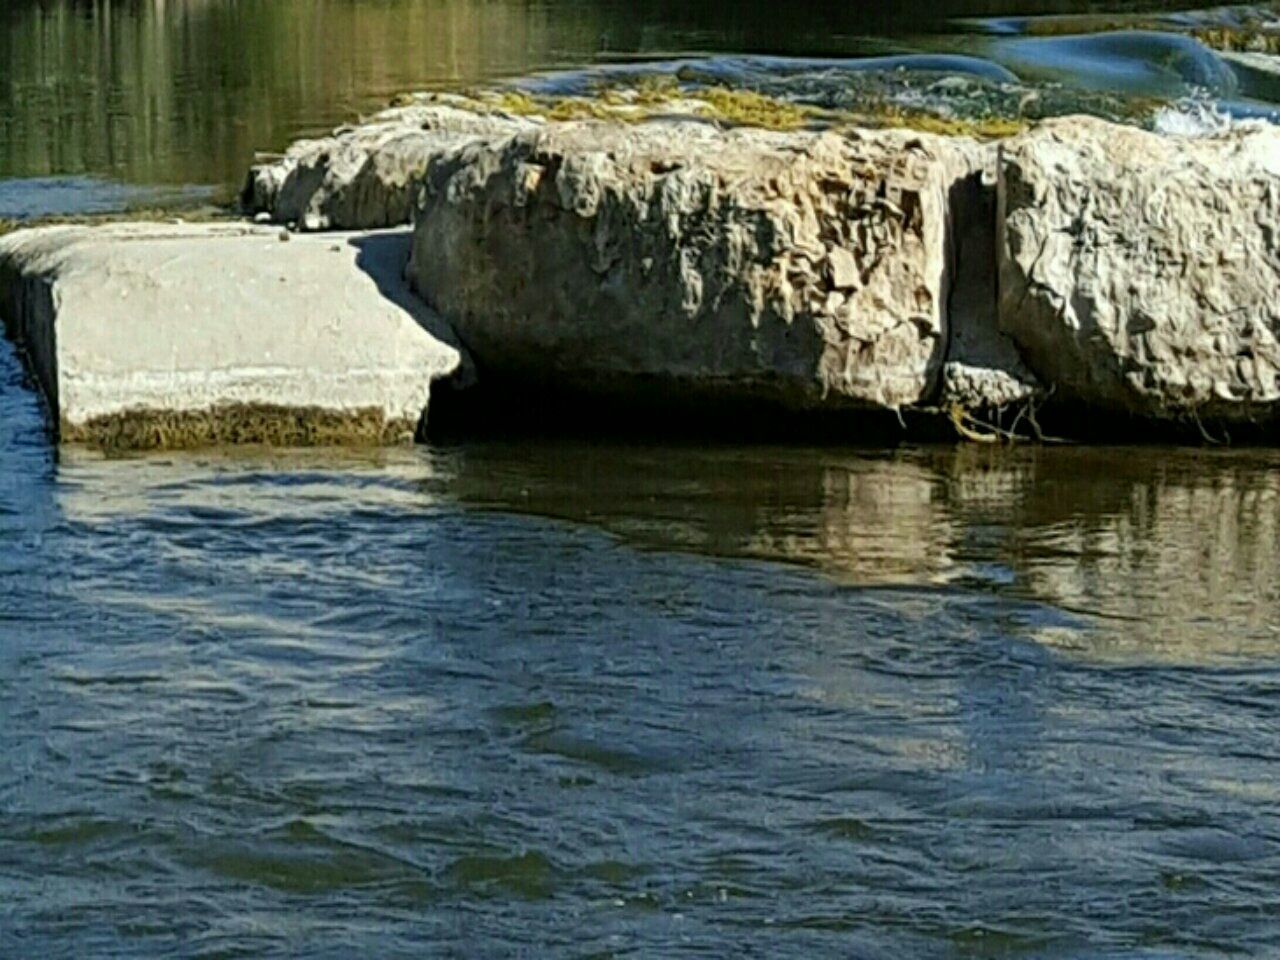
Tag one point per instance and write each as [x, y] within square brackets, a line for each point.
[1192, 117]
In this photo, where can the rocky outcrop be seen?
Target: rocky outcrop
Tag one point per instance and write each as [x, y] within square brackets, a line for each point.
[1141, 273]
[364, 177]
[814, 269]
[148, 335]
[670, 262]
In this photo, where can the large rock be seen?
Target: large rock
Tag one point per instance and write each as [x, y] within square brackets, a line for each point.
[811, 269]
[143, 335]
[364, 177]
[1141, 273]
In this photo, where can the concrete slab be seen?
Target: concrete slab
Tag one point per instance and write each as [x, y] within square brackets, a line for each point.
[150, 335]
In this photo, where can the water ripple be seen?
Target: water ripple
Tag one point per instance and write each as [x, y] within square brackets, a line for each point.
[506, 700]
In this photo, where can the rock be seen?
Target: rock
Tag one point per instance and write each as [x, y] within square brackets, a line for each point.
[812, 269]
[364, 177]
[147, 335]
[1140, 273]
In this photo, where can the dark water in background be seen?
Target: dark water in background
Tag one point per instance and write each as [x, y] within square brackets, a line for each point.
[181, 93]
[575, 700]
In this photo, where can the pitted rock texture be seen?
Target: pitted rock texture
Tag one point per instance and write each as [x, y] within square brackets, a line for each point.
[1141, 273]
[365, 177]
[812, 269]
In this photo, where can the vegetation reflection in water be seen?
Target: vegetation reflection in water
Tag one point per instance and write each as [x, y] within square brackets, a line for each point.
[601, 699]
[185, 92]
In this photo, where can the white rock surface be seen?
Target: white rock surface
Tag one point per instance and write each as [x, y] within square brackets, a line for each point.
[813, 269]
[366, 176]
[1141, 273]
[151, 335]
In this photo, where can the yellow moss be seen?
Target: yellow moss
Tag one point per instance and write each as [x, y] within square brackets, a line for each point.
[655, 90]
[650, 95]
[895, 117]
[521, 104]
[517, 103]
[580, 108]
[750, 109]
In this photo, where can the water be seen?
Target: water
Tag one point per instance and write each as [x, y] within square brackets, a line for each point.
[557, 699]
[560, 699]
[176, 96]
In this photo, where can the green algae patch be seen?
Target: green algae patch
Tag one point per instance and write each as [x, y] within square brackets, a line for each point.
[656, 90]
[654, 97]
[667, 96]
[236, 423]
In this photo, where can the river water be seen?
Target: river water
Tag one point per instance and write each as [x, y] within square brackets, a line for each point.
[552, 698]
[107, 104]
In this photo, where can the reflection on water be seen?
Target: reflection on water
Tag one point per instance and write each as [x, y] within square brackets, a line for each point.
[183, 92]
[565, 700]
[1165, 554]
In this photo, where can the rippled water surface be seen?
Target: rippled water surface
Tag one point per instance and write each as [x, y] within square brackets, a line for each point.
[608, 700]
[557, 699]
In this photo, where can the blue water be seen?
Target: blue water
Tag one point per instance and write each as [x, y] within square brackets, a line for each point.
[32, 197]
[564, 700]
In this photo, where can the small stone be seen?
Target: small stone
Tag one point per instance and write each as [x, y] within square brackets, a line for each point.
[843, 268]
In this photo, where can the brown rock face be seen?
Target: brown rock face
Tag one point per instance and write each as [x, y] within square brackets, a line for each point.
[1141, 273]
[814, 269]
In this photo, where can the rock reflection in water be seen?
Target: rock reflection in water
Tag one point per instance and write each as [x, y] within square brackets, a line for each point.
[1172, 554]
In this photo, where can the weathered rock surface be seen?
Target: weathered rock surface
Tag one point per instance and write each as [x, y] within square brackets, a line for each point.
[812, 269]
[983, 370]
[142, 335]
[1141, 273]
[364, 177]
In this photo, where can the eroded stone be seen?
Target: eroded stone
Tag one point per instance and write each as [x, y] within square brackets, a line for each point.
[810, 268]
[1141, 273]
